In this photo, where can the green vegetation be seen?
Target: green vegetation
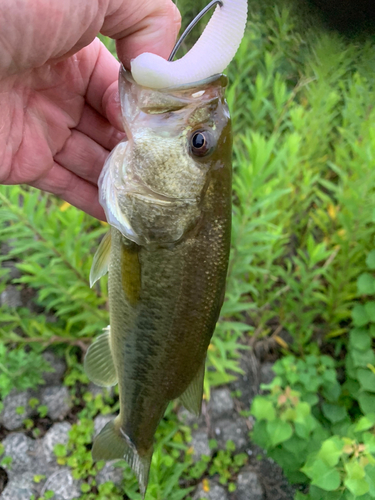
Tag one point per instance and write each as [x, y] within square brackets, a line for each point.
[301, 275]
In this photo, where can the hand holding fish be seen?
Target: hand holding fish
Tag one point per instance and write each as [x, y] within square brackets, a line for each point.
[60, 112]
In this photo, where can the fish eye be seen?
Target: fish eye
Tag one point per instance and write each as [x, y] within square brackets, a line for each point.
[201, 143]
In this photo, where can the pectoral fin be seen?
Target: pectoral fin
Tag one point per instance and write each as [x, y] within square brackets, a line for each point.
[101, 259]
[98, 362]
[112, 444]
[192, 397]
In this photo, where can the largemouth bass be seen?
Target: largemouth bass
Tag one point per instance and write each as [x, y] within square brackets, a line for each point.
[167, 193]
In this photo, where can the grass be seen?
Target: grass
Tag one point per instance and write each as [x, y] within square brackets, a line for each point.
[303, 222]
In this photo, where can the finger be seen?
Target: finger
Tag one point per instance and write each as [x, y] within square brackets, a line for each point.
[143, 26]
[95, 126]
[71, 188]
[82, 156]
[102, 88]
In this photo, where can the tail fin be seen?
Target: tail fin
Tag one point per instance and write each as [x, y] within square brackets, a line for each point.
[112, 444]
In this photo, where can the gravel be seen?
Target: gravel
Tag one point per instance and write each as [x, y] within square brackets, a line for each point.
[249, 486]
[232, 430]
[200, 445]
[58, 401]
[58, 365]
[215, 492]
[110, 473]
[63, 485]
[57, 434]
[11, 297]
[22, 451]
[221, 403]
[21, 487]
[9, 417]
[14, 273]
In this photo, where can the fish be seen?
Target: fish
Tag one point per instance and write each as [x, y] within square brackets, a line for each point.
[167, 255]
[166, 192]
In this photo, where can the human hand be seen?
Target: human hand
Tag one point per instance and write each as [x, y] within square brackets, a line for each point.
[59, 105]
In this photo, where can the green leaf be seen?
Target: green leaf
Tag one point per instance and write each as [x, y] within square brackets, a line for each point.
[85, 487]
[370, 310]
[357, 486]
[279, 431]
[296, 446]
[369, 441]
[302, 411]
[366, 402]
[370, 476]
[362, 358]
[370, 261]
[322, 475]
[331, 451]
[360, 338]
[354, 470]
[365, 422]
[367, 379]
[366, 284]
[334, 413]
[263, 409]
[359, 315]
[316, 493]
[260, 435]
[60, 450]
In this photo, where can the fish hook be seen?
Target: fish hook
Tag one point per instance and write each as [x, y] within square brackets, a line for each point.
[193, 23]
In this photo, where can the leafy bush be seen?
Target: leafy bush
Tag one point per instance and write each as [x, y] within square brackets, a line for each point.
[20, 370]
[315, 427]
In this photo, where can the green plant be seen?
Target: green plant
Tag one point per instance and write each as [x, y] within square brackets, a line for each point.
[314, 426]
[226, 464]
[307, 446]
[360, 360]
[286, 428]
[344, 468]
[20, 370]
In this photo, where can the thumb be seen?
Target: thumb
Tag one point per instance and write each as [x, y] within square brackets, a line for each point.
[143, 26]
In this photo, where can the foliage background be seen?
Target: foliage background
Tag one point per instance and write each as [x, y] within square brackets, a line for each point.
[299, 285]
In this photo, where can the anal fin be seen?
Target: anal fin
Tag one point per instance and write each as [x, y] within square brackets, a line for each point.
[112, 443]
[99, 365]
[192, 397]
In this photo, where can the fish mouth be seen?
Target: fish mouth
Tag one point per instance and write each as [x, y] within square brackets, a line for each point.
[147, 195]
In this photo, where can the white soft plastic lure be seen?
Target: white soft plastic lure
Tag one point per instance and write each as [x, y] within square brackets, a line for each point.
[209, 56]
